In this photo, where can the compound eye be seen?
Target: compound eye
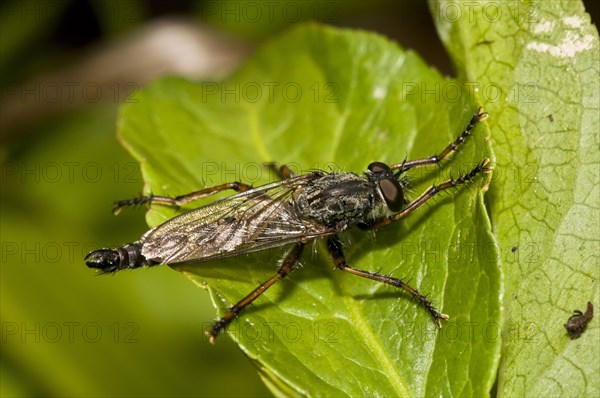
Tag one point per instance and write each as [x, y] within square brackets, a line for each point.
[377, 167]
[392, 193]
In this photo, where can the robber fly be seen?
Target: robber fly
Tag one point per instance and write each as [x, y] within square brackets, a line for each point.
[292, 211]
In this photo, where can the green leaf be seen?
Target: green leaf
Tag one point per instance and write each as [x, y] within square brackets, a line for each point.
[324, 98]
[542, 57]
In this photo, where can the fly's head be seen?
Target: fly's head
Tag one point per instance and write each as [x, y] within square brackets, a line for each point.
[389, 185]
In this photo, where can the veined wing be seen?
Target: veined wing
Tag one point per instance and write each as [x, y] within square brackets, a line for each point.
[250, 221]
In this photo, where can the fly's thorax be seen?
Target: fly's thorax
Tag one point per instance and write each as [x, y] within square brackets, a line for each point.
[337, 200]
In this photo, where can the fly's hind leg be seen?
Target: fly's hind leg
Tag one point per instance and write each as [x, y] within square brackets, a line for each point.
[282, 172]
[334, 246]
[181, 199]
[288, 265]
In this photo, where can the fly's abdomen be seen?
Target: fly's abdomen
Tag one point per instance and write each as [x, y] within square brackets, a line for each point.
[112, 260]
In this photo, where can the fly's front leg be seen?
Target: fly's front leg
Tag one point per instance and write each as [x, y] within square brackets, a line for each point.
[181, 199]
[337, 254]
[430, 193]
[288, 265]
[435, 159]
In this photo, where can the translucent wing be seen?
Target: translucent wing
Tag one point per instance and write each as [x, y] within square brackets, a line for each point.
[247, 222]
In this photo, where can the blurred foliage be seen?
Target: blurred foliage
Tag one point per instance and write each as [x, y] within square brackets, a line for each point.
[257, 20]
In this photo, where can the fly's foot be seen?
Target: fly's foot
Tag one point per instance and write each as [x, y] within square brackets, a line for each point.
[213, 333]
[119, 205]
[217, 327]
[435, 314]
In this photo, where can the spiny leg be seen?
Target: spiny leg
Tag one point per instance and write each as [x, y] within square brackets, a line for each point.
[335, 250]
[435, 159]
[431, 192]
[287, 266]
[282, 172]
[181, 199]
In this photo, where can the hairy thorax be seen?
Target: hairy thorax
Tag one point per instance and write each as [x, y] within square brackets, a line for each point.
[337, 200]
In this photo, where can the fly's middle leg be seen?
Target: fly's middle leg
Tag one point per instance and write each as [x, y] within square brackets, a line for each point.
[334, 246]
[288, 265]
[181, 199]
